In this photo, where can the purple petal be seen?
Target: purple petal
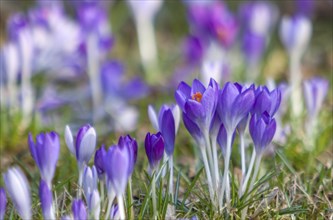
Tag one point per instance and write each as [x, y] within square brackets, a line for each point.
[197, 86]
[168, 131]
[79, 210]
[183, 93]
[46, 200]
[3, 202]
[193, 128]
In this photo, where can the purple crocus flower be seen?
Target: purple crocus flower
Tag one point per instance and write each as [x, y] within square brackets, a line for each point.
[84, 145]
[262, 129]
[98, 162]
[117, 163]
[132, 146]
[89, 180]
[234, 104]
[253, 46]
[3, 202]
[266, 101]
[45, 152]
[222, 139]
[198, 103]
[154, 146]
[46, 200]
[79, 210]
[193, 49]
[315, 90]
[18, 189]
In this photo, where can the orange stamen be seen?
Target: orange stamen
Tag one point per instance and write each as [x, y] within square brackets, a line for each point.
[197, 96]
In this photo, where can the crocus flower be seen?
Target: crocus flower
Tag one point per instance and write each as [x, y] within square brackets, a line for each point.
[266, 101]
[193, 49]
[222, 139]
[315, 90]
[154, 146]
[46, 200]
[295, 33]
[45, 152]
[198, 103]
[84, 145]
[79, 210]
[234, 104]
[3, 203]
[94, 204]
[262, 129]
[18, 189]
[98, 162]
[89, 180]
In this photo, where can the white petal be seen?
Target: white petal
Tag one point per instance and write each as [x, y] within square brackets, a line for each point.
[87, 146]
[69, 140]
[176, 116]
[94, 204]
[153, 117]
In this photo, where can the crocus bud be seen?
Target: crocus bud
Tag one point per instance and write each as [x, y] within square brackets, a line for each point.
[295, 33]
[234, 104]
[19, 191]
[154, 145]
[89, 181]
[222, 139]
[262, 129]
[132, 146]
[45, 152]
[46, 200]
[315, 90]
[84, 145]
[3, 203]
[98, 161]
[117, 164]
[79, 210]
[94, 204]
[266, 101]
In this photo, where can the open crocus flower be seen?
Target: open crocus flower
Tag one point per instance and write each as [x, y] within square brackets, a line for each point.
[266, 101]
[18, 189]
[84, 145]
[45, 152]
[3, 203]
[198, 103]
[46, 199]
[262, 130]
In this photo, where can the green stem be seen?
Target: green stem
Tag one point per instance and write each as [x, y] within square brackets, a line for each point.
[154, 196]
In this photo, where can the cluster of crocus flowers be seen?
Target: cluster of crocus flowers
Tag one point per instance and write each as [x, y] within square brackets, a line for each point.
[213, 115]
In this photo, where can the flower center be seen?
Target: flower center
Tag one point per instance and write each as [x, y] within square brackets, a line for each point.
[197, 96]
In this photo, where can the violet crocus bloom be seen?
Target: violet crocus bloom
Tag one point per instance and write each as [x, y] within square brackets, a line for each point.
[234, 104]
[154, 146]
[132, 146]
[266, 101]
[315, 90]
[89, 180]
[117, 163]
[222, 139]
[295, 33]
[193, 49]
[45, 152]
[18, 189]
[98, 162]
[79, 210]
[3, 202]
[198, 103]
[94, 204]
[46, 199]
[262, 129]
[84, 145]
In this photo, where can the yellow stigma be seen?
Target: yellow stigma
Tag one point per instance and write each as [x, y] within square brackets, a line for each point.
[197, 96]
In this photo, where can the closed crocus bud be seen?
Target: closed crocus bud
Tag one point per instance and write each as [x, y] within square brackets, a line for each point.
[117, 164]
[222, 139]
[94, 204]
[132, 146]
[46, 200]
[84, 145]
[315, 90]
[198, 103]
[45, 152]
[267, 101]
[18, 189]
[79, 210]
[98, 161]
[154, 146]
[89, 180]
[3, 203]
[295, 33]
[262, 129]
[234, 104]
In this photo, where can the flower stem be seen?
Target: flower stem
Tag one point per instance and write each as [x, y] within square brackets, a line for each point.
[171, 177]
[226, 168]
[211, 161]
[249, 171]
[154, 196]
[130, 199]
[242, 150]
[209, 177]
[121, 206]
